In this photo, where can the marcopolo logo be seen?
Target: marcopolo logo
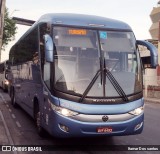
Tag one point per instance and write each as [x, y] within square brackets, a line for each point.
[104, 100]
[105, 118]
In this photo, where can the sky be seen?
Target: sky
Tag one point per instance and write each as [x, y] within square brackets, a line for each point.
[134, 12]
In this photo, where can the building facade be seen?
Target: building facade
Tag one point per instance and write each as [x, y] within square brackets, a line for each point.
[2, 11]
[155, 17]
[152, 76]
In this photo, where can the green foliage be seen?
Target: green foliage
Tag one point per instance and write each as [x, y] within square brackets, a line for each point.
[9, 29]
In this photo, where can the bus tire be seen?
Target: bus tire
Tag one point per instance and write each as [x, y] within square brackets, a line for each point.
[13, 100]
[37, 116]
[4, 88]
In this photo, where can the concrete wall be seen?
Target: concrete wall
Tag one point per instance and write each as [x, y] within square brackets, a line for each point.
[152, 92]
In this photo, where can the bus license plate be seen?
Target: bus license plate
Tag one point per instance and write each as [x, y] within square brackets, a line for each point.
[104, 130]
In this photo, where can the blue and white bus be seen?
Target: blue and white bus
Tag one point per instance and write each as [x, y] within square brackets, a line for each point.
[80, 75]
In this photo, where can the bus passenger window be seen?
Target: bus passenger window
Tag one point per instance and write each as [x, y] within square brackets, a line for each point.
[46, 75]
[35, 58]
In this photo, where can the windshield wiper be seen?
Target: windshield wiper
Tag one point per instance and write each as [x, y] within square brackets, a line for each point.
[90, 85]
[111, 78]
[115, 84]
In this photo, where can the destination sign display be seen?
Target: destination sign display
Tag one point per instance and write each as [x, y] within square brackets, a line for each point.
[77, 31]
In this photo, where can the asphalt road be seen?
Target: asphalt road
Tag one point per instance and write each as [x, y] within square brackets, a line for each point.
[20, 130]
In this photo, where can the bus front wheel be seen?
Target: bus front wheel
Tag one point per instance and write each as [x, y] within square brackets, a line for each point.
[13, 100]
[37, 116]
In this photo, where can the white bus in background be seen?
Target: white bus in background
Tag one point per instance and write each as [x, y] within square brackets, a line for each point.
[3, 76]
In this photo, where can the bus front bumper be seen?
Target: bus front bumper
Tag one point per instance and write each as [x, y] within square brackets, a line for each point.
[61, 126]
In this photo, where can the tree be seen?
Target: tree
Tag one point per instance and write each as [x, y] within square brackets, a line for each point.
[9, 29]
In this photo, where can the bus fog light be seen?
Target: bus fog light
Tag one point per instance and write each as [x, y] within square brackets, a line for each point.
[64, 128]
[138, 126]
[137, 111]
[63, 111]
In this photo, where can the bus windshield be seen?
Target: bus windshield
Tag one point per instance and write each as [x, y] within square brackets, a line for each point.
[82, 53]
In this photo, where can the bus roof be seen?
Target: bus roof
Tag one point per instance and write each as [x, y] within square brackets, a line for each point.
[83, 20]
[80, 20]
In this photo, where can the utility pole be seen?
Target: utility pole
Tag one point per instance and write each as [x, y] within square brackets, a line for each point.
[2, 12]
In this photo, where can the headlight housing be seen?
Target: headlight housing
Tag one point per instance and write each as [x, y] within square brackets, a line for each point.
[6, 82]
[137, 111]
[63, 111]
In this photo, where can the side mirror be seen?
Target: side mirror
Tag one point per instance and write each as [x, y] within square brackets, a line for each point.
[152, 60]
[48, 45]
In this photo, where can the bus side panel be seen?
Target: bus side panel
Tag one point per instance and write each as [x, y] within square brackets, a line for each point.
[30, 86]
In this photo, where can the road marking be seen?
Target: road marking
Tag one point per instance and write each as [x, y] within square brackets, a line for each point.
[13, 116]
[6, 129]
[3, 98]
[18, 124]
[5, 125]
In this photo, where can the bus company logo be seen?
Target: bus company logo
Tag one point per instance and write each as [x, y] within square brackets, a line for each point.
[104, 100]
[105, 118]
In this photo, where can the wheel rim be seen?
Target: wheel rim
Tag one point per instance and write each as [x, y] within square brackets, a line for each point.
[12, 97]
[38, 120]
[14, 100]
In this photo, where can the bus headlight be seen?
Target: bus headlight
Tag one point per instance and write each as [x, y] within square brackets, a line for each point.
[137, 111]
[6, 82]
[63, 111]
